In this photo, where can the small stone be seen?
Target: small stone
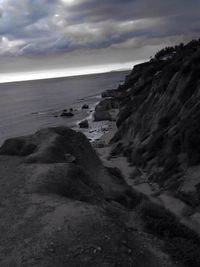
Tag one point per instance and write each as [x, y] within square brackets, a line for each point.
[66, 114]
[84, 124]
[85, 106]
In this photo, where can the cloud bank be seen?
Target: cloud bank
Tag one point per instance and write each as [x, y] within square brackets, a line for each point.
[33, 28]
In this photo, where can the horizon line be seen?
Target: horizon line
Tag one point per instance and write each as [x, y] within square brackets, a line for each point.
[65, 73]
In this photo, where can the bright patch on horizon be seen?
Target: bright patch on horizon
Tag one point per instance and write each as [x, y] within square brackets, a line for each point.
[69, 2]
[58, 73]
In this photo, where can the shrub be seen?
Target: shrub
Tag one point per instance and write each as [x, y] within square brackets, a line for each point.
[182, 243]
[157, 220]
[184, 250]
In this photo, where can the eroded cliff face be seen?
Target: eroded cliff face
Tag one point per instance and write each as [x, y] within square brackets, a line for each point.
[159, 121]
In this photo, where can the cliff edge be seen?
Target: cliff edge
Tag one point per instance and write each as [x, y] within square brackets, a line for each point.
[159, 121]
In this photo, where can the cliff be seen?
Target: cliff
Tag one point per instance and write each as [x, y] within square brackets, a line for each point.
[159, 121]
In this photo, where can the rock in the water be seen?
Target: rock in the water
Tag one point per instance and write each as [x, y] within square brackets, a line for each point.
[102, 116]
[84, 124]
[85, 106]
[66, 114]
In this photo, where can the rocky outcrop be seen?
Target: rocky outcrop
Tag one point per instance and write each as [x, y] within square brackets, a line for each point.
[107, 104]
[51, 146]
[70, 166]
[84, 124]
[103, 111]
[103, 115]
[159, 119]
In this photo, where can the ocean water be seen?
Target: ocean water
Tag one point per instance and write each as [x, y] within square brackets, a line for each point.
[26, 107]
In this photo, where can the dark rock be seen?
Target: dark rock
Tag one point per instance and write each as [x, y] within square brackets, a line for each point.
[71, 110]
[107, 104]
[84, 124]
[66, 114]
[85, 106]
[102, 116]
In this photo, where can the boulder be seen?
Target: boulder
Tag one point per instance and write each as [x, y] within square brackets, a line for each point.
[107, 104]
[84, 124]
[102, 116]
[66, 114]
[66, 164]
[85, 106]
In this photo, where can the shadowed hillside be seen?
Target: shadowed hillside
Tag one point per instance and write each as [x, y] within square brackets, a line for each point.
[159, 120]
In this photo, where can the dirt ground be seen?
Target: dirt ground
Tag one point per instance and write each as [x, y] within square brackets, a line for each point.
[51, 230]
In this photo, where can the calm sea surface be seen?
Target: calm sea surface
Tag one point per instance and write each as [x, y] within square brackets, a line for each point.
[28, 106]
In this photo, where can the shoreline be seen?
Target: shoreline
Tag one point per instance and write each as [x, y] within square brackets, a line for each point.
[30, 106]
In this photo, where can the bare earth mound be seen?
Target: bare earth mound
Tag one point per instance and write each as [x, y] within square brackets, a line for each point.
[54, 209]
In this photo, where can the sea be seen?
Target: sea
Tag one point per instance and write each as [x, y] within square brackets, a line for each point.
[28, 106]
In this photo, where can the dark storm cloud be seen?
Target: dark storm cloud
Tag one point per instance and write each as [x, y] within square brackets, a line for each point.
[30, 27]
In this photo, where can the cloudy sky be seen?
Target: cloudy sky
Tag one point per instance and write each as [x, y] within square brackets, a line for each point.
[90, 34]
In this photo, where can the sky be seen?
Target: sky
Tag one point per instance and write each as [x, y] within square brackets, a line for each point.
[89, 36]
